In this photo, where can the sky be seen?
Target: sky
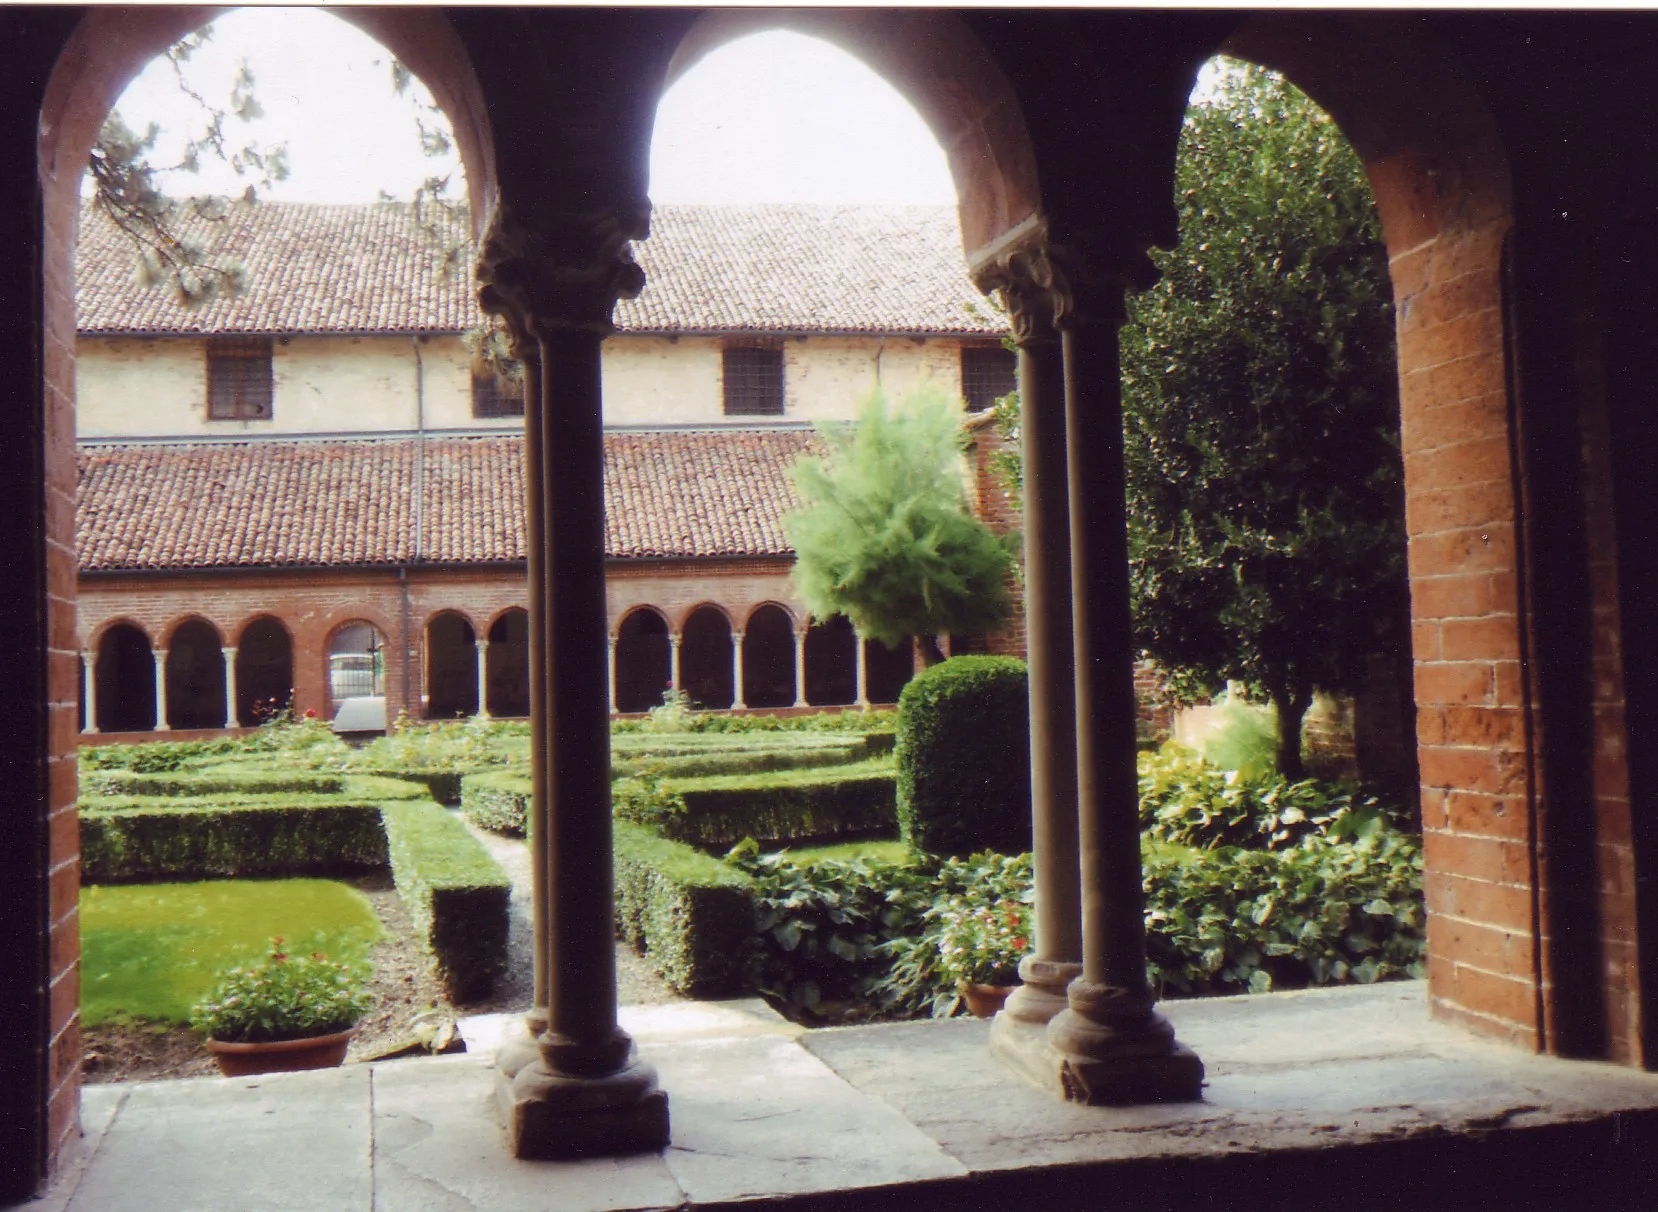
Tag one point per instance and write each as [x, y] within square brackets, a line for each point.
[772, 117]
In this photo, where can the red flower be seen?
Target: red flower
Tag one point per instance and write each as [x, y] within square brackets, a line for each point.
[310, 713]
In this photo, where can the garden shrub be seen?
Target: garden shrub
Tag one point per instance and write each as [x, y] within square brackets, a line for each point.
[444, 786]
[497, 800]
[784, 806]
[455, 892]
[688, 913]
[748, 759]
[852, 719]
[964, 757]
[158, 757]
[143, 840]
[220, 782]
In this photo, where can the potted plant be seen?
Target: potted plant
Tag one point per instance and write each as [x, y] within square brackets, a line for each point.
[979, 949]
[285, 1012]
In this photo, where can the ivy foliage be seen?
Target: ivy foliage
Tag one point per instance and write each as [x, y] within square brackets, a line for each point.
[883, 535]
[1261, 410]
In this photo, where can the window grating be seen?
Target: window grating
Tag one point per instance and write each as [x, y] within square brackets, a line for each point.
[497, 396]
[239, 379]
[753, 381]
[987, 374]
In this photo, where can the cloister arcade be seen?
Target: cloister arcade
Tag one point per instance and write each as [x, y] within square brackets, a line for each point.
[193, 674]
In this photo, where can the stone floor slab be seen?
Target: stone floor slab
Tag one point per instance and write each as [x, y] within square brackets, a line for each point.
[287, 1142]
[439, 1147]
[760, 1116]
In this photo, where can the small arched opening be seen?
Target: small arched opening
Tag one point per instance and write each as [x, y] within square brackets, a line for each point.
[705, 671]
[507, 677]
[264, 672]
[451, 667]
[831, 662]
[124, 681]
[768, 658]
[356, 662]
[644, 667]
[195, 677]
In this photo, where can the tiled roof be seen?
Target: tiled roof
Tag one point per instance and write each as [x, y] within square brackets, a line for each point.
[275, 503]
[381, 268]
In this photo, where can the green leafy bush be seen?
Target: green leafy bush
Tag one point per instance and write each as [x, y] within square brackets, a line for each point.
[782, 807]
[964, 757]
[178, 783]
[746, 754]
[852, 719]
[285, 997]
[1188, 801]
[455, 892]
[159, 757]
[497, 800]
[688, 913]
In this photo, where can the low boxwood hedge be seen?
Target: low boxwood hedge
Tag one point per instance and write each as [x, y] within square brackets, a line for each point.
[135, 841]
[455, 892]
[497, 800]
[786, 807]
[444, 786]
[689, 914]
[226, 782]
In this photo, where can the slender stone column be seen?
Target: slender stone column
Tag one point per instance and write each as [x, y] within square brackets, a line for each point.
[89, 689]
[800, 667]
[1016, 1035]
[556, 283]
[1116, 1047]
[737, 703]
[862, 674]
[610, 664]
[160, 657]
[483, 678]
[229, 655]
[675, 641]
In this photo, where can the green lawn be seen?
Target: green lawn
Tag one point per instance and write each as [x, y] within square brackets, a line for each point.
[896, 854]
[150, 951]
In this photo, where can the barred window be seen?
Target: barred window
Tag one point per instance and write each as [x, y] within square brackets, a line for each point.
[753, 381]
[497, 396]
[239, 379]
[987, 374]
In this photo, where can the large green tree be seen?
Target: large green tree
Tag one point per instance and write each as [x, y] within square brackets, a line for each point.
[883, 535]
[1261, 411]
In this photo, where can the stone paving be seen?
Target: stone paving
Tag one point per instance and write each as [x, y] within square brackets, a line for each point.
[915, 1115]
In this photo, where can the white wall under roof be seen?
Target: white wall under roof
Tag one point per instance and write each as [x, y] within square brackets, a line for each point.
[156, 387]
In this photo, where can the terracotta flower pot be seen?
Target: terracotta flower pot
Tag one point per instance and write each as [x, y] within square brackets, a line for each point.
[281, 1055]
[985, 1000]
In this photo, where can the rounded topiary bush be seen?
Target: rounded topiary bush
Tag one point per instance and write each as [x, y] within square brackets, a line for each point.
[964, 757]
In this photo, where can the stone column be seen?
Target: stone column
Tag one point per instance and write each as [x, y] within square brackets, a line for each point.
[1017, 1035]
[737, 703]
[89, 689]
[160, 657]
[483, 678]
[555, 281]
[229, 655]
[1116, 1048]
[800, 667]
[675, 640]
[610, 665]
[862, 674]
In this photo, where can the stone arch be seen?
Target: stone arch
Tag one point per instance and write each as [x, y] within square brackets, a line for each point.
[451, 666]
[769, 657]
[507, 680]
[831, 662]
[355, 659]
[124, 679]
[195, 676]
[705, 667]
[264, 670]
[643, 664]
[944, 71]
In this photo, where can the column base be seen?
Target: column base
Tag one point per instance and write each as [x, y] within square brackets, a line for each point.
[1043, 991]
[552, 1117]
[520, 1045]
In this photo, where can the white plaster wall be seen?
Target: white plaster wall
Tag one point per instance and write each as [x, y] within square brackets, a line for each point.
[827, 378]
[661, 381]
[131, 386]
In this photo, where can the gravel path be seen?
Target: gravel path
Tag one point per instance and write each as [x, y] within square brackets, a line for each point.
[637, 984]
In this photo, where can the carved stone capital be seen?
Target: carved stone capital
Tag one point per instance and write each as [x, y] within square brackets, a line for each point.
[1044, 282]
[549, 271]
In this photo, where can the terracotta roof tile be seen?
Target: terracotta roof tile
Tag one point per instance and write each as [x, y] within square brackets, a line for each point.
[382, 268]
[275, 502]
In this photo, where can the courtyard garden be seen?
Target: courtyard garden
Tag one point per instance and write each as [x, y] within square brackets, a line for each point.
[848, 866]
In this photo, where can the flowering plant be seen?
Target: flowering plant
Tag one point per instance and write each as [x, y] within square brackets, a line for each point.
[980, 944]
[282, 997]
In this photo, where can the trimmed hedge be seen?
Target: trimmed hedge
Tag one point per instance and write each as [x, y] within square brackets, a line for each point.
[497, 800]
[444, 786]
[178, 783]
[745, 761]
[455, 892]
[184, 840]
[783, 807]
[964, 758]
[688, 913]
